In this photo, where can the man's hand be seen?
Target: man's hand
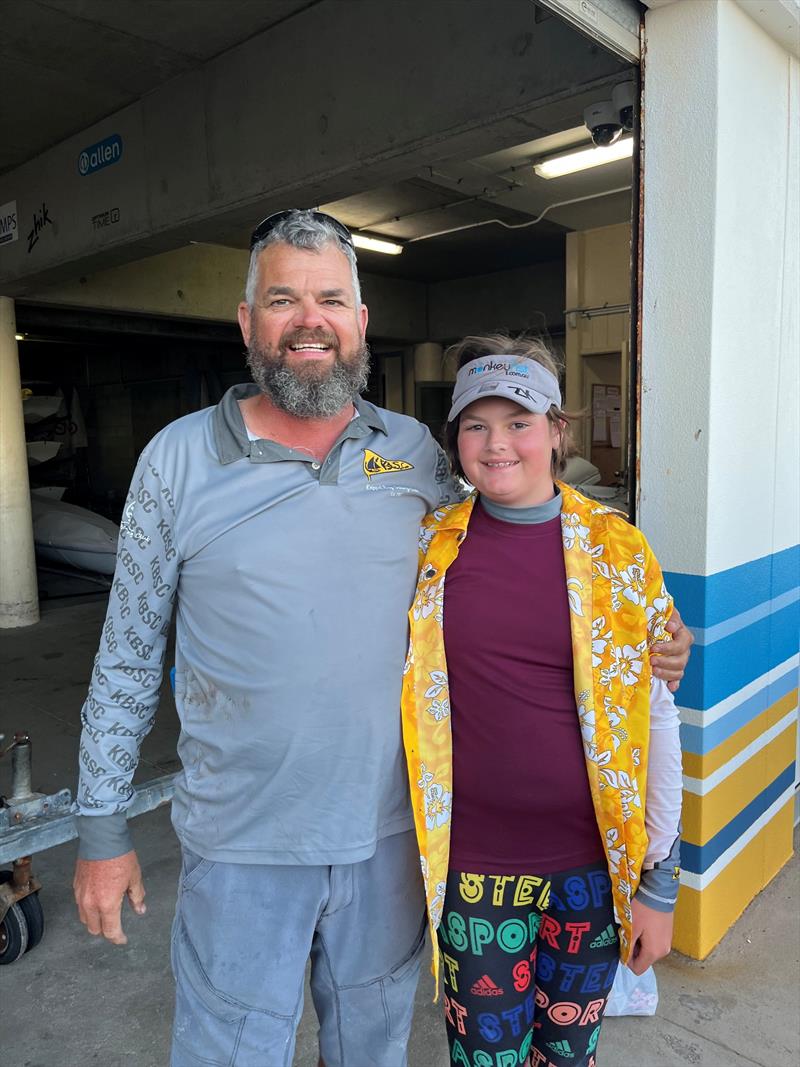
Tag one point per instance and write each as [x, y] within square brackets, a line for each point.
[652, 936]
[100, 886]
[671, 657]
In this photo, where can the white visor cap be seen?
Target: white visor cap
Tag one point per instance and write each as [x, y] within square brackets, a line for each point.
[516, 378]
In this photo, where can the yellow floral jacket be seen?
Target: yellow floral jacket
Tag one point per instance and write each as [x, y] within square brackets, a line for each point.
[618, 608]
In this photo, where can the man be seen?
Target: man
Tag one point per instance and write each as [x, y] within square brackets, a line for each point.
[283, 522]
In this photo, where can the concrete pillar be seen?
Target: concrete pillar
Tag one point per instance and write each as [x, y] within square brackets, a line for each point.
[428, 366]
[719, 496]
[19, 600]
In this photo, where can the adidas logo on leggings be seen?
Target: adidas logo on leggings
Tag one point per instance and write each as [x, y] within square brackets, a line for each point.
[485, 987]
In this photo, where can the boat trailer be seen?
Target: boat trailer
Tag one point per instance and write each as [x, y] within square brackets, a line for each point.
[33, 822]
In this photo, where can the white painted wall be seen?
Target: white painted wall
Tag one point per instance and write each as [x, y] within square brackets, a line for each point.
[679, 204]
[720, 336]
[756, 350]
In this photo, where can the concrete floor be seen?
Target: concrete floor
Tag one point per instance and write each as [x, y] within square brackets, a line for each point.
[75, 1000]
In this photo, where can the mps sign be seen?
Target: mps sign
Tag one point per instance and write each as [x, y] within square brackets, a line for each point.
[100, 155]
[9, 230]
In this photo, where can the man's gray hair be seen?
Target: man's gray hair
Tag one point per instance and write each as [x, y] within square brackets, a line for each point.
[301, 229]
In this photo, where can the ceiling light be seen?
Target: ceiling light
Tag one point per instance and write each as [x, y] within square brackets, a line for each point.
[572, 162]
[19, 336]
[376, 244]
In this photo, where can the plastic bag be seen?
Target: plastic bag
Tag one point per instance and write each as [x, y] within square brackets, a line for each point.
[633, 994]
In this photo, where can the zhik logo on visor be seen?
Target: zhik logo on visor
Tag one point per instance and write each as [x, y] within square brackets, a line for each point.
[375, 464]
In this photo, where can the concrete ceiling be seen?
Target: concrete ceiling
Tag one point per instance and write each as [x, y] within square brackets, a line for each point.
[490, 213]
[66, 64]
[417, 207]
[476, 216]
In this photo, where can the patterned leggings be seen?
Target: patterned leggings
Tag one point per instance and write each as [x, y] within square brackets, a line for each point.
[528, 964]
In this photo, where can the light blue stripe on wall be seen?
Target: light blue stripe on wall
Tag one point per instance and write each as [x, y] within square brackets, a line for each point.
[703, 739]
[715, 672]
[738, 622]
[706, 600]
[748, 620]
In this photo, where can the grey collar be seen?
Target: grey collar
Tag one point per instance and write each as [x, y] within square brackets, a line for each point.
[524, 516]
[230, 435]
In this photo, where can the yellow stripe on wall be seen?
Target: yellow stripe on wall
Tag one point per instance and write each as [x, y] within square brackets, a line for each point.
[703, 918]
[704, 816]
[695, 766]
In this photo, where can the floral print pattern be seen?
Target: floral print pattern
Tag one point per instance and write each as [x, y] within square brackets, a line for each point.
[618, 608]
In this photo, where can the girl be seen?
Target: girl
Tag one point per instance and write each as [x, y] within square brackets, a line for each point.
[543, 752]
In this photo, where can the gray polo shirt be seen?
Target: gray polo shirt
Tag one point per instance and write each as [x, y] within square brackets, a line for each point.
[292, 581]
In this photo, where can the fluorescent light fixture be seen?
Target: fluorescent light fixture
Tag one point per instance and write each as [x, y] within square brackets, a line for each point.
[376, 244]
[572, 162]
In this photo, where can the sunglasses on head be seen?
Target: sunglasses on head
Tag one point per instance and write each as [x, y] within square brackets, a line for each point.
[271, 221]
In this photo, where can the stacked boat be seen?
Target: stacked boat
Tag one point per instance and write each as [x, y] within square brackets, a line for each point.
[63, 533]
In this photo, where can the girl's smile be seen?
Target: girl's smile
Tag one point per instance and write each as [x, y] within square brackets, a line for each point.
[506, 451]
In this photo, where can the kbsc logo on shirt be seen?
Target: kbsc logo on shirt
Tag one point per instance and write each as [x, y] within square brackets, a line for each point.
[375, 464]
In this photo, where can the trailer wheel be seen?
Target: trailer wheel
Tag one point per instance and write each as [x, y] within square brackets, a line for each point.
[13, 935]
[31, 908]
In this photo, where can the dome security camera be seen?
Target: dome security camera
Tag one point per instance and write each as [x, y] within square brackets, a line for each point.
[623, 97]
[602, 122]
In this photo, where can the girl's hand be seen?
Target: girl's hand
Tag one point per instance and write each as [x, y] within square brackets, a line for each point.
[652, 936]
[670, 657]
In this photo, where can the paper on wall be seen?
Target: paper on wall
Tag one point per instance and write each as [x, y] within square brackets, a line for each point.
[599, 400]
[614, 430]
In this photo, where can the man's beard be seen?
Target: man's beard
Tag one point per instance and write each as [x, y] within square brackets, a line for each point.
[308, 390]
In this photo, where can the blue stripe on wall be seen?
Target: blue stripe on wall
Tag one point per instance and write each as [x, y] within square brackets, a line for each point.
[746, 618]
[721, 669]
[706, 600]
[703, 739]
[698, 858]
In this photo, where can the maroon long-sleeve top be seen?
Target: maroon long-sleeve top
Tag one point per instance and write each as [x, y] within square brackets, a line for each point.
[521, 799]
